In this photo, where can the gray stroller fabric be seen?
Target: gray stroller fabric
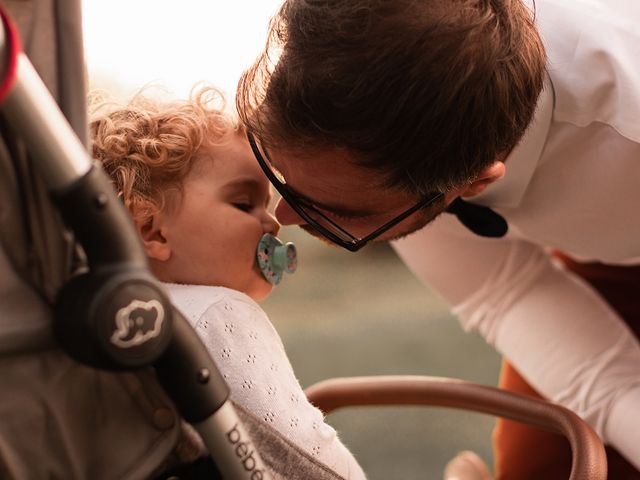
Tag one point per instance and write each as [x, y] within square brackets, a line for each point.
[31, 232]
[286, 461]
[59, 419]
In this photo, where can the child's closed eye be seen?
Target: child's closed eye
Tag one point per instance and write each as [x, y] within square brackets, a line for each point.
[244, 206]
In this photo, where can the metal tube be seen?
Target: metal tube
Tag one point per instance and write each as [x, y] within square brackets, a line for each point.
[36, 117]
[231, 448]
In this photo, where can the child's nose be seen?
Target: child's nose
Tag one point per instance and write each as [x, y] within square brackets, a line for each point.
[287, 215]
[271, 225]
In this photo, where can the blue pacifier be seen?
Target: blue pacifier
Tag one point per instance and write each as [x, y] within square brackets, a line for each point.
[275, 257]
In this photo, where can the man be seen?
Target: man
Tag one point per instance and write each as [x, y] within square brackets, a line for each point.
[373, 118]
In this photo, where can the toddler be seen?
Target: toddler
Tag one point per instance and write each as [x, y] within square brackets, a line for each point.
[199, 202]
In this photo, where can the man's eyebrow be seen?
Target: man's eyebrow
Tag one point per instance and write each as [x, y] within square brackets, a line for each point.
[343, 212]
[330, 209]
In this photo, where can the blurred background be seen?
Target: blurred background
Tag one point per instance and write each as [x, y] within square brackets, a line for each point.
[341, 314]
[350, 314]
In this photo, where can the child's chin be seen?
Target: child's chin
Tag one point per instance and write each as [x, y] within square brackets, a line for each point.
[261, 291]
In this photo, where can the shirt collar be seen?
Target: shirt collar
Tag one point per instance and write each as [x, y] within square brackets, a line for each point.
[523, 159]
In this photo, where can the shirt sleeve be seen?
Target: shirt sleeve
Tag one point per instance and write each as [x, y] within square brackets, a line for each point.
[249, 353]
[554, 328]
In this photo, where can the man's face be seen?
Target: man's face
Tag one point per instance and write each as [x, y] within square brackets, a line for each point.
[353, 196]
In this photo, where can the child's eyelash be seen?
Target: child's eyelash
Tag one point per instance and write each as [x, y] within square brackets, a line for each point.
[244, 206]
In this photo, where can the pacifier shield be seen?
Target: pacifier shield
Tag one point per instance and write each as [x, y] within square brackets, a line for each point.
[275, 257]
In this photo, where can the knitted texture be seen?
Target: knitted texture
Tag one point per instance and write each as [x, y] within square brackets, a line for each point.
[249, 353]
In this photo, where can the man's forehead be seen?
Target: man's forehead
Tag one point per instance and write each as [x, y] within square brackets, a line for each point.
[329, 163]
[331, 178]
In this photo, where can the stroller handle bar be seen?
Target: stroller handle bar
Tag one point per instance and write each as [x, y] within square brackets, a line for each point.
[589, 459]
[21, 90]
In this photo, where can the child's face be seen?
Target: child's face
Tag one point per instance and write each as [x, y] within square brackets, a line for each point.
[214, 229]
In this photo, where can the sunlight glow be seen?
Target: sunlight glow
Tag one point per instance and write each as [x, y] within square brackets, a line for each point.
[174, 44]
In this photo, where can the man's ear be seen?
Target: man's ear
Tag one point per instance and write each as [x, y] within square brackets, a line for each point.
[487, 176]
[155, 244]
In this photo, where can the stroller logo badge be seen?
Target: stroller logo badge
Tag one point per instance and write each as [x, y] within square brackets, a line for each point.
[137, 323]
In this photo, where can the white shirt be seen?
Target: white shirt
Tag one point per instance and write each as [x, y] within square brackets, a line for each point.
[249, 353]
[573, 183]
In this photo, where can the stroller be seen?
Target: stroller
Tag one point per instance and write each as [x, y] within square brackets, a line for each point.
[86, 392]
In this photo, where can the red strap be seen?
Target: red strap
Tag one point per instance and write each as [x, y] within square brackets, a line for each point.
[13, 48]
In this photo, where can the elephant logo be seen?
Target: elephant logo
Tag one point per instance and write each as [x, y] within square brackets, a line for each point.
[137, 323]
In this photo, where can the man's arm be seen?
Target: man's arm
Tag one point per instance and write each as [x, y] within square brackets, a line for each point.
[558, 332]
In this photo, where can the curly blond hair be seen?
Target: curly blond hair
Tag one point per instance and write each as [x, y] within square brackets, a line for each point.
[148, 147]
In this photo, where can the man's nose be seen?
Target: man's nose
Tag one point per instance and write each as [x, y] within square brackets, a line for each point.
[287, 215]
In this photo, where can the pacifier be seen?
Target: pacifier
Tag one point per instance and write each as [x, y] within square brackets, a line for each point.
[275, 257]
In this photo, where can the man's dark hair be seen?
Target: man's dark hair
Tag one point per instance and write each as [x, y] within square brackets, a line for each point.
[429, 92]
